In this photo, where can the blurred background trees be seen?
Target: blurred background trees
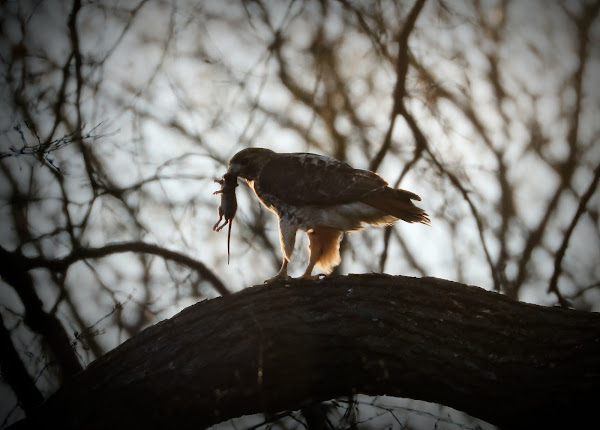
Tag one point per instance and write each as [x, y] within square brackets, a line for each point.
[118, 116]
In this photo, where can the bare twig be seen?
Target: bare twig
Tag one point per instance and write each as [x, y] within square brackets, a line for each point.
[400, 88]
[62, 264]
[560, 253]
[42, 150]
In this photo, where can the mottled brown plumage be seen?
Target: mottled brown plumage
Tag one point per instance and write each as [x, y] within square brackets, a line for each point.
[324, 197]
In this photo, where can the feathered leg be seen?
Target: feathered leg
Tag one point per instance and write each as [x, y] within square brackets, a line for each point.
[287, 240]
[324, 248]
[316, 249]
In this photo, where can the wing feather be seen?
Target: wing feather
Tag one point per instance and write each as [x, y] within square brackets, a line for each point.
[311, 179]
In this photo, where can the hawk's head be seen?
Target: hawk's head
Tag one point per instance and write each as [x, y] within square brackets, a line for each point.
[248, 162]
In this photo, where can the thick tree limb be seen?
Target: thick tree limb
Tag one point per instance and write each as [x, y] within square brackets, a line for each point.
[285, 345]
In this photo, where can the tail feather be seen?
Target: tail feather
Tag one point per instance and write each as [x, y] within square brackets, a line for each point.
[397, 202]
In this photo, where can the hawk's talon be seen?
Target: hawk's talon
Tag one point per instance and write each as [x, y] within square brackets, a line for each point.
[278, 277]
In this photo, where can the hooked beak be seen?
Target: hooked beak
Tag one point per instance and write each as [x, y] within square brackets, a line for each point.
[237, 169]
[234, 169]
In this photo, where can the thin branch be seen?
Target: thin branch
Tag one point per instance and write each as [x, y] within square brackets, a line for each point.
[567, 168]
[422, 145]
[583, 290]
[42, 150]
[400, 88]
[62, 264]
[553, 286]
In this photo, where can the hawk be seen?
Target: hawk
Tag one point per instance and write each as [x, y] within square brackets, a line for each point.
[322, 196]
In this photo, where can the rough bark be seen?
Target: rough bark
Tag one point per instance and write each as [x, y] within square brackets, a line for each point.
[288, 344]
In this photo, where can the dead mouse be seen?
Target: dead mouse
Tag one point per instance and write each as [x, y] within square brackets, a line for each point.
[228, 205]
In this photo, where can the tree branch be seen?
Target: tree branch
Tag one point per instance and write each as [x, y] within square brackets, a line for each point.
[62, 264]
[567, 168]
[14, 372]
[553, 286]
[400, 88]
[285, 345]
[14, 272]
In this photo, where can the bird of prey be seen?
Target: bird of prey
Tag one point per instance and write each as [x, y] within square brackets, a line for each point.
[322, 196]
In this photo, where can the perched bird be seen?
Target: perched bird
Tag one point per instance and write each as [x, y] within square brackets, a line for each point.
[322, 196]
